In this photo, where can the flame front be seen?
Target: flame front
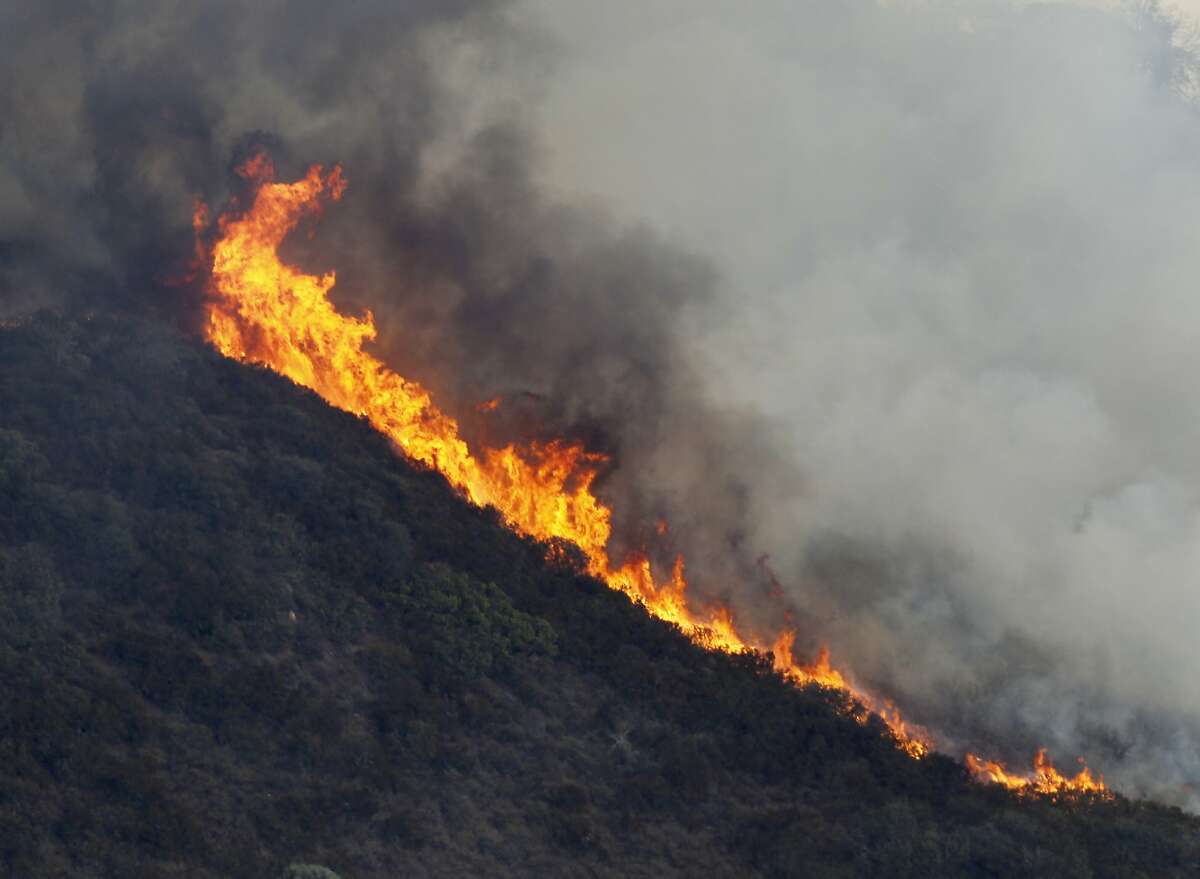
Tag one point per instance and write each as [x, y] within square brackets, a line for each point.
[1044, 780]
[267, 312]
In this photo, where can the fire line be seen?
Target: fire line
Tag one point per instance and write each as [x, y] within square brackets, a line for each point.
[264, 311]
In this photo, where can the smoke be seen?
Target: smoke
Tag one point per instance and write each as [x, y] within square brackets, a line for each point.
[117, 115]
[893, 294]
[959, 249]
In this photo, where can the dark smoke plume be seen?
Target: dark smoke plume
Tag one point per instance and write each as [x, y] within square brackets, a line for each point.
[921, 224]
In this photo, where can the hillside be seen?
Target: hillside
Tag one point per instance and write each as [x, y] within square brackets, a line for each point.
[238, 632]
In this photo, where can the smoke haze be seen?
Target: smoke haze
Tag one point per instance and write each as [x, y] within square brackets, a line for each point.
[958, 243]
[898, 295]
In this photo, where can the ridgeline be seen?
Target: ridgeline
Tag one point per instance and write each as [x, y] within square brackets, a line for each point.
[240, 634]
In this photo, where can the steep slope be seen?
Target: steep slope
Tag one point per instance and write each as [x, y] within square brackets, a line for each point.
[237, 631]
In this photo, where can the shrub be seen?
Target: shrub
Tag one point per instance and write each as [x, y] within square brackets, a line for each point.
[309, 871]
[464, 627]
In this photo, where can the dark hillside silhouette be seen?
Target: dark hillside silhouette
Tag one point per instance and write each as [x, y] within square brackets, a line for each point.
[238, 633]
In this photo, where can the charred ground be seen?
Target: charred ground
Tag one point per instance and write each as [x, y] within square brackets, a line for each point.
[237, 632]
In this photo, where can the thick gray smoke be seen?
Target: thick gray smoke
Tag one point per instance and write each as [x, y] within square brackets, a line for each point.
[960, 244]
[928, 346]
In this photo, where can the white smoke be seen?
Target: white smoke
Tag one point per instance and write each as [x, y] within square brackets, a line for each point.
[960, 244]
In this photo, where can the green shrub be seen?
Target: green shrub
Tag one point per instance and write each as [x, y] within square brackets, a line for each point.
[309, 871]
[462, 626]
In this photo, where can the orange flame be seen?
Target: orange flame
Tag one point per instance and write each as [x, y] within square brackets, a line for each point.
[1044, 779]
[270, 313]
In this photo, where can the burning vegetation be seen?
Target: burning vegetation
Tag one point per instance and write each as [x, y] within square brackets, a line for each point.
[1045, 779]
[264, 311]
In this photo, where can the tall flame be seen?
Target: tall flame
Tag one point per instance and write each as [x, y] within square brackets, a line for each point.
[264, 311]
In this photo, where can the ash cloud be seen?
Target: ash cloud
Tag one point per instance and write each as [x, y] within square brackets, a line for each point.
[896, 295]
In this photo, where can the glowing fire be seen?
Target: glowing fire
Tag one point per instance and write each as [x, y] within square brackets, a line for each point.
[264, 311]
[1044, 780]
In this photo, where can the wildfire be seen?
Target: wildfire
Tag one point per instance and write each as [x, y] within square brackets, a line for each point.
[1044, 780]
[264, 311]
